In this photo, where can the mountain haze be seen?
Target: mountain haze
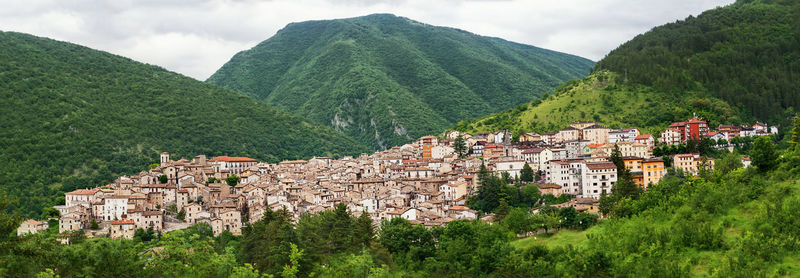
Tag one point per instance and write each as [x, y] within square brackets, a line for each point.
[384, 79]
[73, 117]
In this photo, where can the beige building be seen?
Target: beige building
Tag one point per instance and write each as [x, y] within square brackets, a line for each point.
[692, 163]
[625, 148]
[596, 134]
[229, 220]
[123, 229]
[567, 134]
[31, 226]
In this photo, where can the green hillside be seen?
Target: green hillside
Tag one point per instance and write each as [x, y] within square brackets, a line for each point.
[606, 98]
[385, 80]
[734, 64]
[747, 54]
[73, 117]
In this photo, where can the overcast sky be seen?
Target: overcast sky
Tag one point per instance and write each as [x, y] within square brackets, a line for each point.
[196, 37]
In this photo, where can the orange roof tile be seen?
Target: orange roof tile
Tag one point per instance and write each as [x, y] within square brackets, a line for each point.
[232, 159]
[122, 222]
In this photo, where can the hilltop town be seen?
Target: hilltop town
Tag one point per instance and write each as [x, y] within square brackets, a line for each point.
[428, 181]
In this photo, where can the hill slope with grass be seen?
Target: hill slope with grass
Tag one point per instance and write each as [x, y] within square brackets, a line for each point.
[73, 117]
[735, 64]
[606, 98]
[385, 80]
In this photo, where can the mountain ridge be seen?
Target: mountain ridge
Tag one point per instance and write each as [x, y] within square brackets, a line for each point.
[384, 79]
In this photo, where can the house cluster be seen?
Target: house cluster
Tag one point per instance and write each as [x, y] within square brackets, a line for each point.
[424, 182]
[573, 160]
[696, 129]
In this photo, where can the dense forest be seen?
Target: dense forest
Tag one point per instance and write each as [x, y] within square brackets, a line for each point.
[747, 54]
[385, 80]
[73, 117]
[732, 65]
[729, 222]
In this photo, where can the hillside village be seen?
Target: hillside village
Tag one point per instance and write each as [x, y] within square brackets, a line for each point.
[425, 182]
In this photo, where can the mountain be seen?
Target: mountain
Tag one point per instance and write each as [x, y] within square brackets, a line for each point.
[733, 64]
[74, 117]
[384, 79]
[747, 54]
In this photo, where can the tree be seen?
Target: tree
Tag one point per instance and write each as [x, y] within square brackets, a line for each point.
[460, 146]
[290, 270]
[763, 155]
[501, 211]
[94, 225]
[526, 174]
[796, 134]
[233, 180]
[518, 221]
[163, 179]
[181, 215]
[728, 163]
[363, 232]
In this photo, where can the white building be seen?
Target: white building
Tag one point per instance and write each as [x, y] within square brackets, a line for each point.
[622, 135]
[566, 173]
[115, 207]
[598, 178]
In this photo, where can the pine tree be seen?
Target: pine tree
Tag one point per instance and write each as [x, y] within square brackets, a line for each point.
[460, 146]
[363, 232]
[526, 174]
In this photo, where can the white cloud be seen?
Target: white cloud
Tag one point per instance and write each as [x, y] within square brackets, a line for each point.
[195, 37]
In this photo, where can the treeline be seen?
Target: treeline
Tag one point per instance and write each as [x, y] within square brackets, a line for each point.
[746, 53]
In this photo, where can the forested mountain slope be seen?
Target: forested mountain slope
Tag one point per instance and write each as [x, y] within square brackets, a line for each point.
[73, 117]
[738, 63]
[747, 54]
[385, 80]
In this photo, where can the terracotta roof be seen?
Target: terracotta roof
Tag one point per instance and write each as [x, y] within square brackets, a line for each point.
[643, 136]
[459, 208]
[549, 186]
[232, 159]
[81, 192]
[122, 222]
[601, 166]
[34, 222]
[594, 146]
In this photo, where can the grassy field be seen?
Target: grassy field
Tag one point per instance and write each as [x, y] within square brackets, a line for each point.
[558, 239]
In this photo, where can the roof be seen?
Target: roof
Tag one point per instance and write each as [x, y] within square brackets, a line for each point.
[459, 208]
[81, 192]
[594, 146]
[643, 136]
[232, 159]
[34, 222]
[596, 126]
[549, 186]
[122, 222]
[601, 166]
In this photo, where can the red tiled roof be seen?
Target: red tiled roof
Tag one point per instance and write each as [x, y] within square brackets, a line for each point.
[81, 192]
[643, 136]
[594, 146]
[232, 159]
[122, 222]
